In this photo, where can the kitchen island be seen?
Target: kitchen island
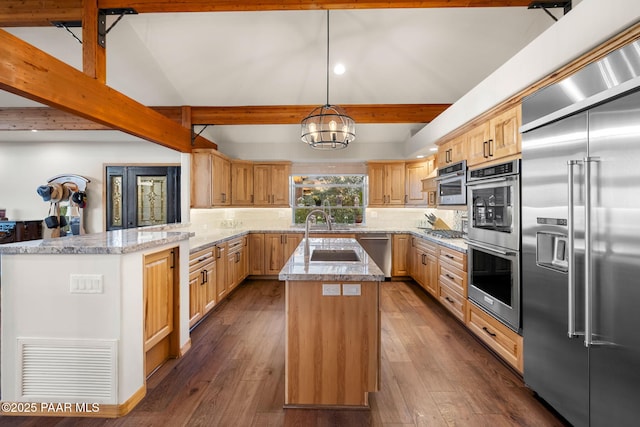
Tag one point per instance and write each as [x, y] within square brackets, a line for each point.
[332, 325]
[86, 318]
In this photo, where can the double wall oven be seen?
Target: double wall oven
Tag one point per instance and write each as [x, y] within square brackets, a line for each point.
[493, 201]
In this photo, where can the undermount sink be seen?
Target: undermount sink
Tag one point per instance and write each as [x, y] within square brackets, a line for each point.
[334, 255]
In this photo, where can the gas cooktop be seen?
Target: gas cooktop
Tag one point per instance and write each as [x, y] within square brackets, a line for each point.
[445, 234]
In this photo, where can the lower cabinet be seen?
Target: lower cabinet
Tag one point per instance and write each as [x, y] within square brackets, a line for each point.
[400, 247]
[237, 261]
[504, 341]
[202, 284]
[452, 281]
[424, 264]
[277, 250]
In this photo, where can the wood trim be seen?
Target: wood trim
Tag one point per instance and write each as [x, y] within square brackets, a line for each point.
[31, 73]
[26, 13]
[599, 52]
[293, 114]
[104, 411]
[94, 57]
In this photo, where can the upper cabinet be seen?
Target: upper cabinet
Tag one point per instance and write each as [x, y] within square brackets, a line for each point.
[453, 151]
[271, 184]
[415, 172]
[210, 179]
[241, 183]
[497, 138]
[386, 183]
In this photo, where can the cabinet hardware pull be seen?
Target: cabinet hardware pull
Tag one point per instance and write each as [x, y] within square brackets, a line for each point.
[252, 198]
[490, 148]
[484, 149]
[450, 277]
[202, 259]
[449, 256]
[202, 281]
[449, 300]
[484, 328]
[218, 251]
[406, 198]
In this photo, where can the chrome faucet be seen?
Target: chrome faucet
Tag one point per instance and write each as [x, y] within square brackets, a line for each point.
[306, 230]
[327, 204]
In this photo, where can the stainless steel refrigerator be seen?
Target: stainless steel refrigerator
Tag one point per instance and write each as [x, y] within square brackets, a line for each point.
[581, 242]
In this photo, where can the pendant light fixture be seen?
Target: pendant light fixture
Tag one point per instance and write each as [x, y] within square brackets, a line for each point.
[328, 127]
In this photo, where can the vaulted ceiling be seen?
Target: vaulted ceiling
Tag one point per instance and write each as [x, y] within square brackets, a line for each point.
[416, 60]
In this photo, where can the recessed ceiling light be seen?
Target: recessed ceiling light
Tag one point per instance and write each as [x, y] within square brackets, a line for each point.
[339, 69]
[433, 149]
[34, 130]
[421, 156]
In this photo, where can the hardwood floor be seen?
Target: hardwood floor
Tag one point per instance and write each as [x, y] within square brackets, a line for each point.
[434, 373]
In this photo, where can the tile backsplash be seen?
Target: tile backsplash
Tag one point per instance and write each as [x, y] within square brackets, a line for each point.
[280, 218]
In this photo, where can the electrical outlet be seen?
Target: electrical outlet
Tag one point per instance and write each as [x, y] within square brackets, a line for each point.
[351, 290]
[330, 290]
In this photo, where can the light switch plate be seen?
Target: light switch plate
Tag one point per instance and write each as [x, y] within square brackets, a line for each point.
[86, 284]
[330, 290]
[351, 289]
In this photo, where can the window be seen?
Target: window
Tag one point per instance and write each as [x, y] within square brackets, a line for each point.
[342, 195]
[139, 196]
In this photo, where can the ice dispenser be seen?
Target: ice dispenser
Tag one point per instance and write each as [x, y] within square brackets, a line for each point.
[552, 251]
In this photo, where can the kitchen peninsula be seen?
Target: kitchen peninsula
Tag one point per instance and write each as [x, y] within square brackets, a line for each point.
[86, 318]
[332, 325]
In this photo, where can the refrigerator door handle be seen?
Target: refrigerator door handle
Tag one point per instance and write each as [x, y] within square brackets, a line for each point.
[588, 262]
[571, 277]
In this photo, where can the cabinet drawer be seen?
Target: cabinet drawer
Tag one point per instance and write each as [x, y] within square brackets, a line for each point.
[198, 260]
[455, 258]
[425, 245]
[452, 301]
[453, 277]
[500, 338]
[235, 245]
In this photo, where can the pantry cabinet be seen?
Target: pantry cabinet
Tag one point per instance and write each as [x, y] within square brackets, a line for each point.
[386, 183]
[415, 173]
[210, 179]
[271, 184]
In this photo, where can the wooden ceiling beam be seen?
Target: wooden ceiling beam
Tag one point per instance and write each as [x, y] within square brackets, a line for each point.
[44, 118]
[31, 73]
[29, 13]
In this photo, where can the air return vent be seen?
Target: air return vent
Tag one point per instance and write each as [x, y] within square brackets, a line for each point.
[62, 370]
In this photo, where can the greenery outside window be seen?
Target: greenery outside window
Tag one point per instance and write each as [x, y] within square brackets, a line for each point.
[342, 195]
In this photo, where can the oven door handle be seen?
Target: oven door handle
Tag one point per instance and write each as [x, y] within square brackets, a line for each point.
[450, 176]
[489, 248]
[491, 180]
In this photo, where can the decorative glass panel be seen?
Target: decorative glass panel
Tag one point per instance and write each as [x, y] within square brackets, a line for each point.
[116, 201]
[152, 200]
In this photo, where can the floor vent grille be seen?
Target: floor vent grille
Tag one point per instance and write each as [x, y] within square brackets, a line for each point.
[68, 370]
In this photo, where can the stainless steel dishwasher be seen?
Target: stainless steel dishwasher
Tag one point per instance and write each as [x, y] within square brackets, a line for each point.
[378, 246]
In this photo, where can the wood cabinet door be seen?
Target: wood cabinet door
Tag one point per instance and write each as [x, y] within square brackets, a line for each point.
[221, 181]
[459, 149]
[478, 144]
[232, 270]
[414, 174]
[244, 259]
[256, 254]
[280, 184]
[505, 135]
[241, 183]
[291, 242]
[221, 270]
[376, 173]
[195, 297]
[395, 183]
[210, 293]
[273, 253]
[400, 253]
[261, 185]
[158, 297]
[201, 179]
[431, 274]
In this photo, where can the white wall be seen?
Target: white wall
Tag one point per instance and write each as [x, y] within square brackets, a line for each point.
[26, 165]
[590, 23]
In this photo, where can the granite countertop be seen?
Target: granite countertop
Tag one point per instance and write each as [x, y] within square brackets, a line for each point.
[110, 242]
[364, 270]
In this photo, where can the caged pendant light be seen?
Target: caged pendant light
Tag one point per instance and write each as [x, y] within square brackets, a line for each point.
[328, 127]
